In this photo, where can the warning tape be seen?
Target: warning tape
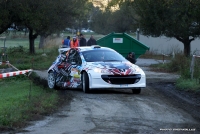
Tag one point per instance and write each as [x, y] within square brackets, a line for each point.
[4, 75]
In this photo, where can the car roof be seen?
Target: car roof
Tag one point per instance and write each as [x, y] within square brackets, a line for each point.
[93, 47]
[86, 48]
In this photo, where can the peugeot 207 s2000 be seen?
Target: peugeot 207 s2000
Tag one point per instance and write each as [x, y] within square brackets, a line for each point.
[94, 67]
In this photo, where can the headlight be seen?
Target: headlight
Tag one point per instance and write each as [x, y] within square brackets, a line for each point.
[99, 70]
[137, 69]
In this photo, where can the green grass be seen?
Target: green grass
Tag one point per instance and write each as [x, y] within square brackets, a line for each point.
[181, 65]
[16, 43]
[188, 84]
[161, 67]
[21, 99]
[15, 40]
[21, 59]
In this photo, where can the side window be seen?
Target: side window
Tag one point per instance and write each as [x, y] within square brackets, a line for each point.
[78, 60]
[73, 56]
[88, 57]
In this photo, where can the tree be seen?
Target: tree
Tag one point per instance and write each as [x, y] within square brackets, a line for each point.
[100, 22]
[81, 21]
[41, 17]
[6, 14]
[47, 16]
[171, 18]
[122, 19]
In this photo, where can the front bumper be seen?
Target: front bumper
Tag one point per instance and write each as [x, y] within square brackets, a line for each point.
[96, 82]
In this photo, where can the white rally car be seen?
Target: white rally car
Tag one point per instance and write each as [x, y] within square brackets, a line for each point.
[94, 67]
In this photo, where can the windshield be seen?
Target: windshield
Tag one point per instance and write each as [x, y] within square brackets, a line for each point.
[102, 55]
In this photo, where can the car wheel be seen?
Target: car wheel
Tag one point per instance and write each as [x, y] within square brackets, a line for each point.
[85, 82]
[136, 90]
[52, 80]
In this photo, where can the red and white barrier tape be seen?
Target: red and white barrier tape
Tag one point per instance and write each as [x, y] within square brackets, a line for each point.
[4, 75]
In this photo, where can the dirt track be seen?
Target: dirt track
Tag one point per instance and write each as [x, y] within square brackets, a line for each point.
[160, 108]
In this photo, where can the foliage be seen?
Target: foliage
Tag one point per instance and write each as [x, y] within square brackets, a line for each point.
[83, 20]
[188, 84]
[171, 18]
[181, 65]
[40, 17]
[21, 58]
[122, 20]
[6, 15]
[100, 22]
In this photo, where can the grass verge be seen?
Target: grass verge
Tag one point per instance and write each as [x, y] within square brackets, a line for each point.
[188, 84]
[181, 65]
[21, 59]
[22, 100]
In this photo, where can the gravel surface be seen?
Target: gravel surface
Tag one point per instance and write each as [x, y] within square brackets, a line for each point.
[163, 83]
[160, 108]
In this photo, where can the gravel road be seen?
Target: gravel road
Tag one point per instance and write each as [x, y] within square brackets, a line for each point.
[160, 108]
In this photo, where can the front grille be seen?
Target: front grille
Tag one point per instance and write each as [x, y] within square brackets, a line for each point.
[121, 79]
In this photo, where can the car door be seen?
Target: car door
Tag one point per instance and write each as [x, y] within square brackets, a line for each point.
[73, 65]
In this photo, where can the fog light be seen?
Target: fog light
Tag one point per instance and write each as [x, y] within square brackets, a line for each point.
[137, 80]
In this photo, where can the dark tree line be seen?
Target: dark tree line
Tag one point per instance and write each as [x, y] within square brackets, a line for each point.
[120, 20]
[178, 19]
[41, 17]
[171, 18]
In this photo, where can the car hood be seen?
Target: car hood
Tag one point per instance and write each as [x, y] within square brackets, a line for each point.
[118, 68]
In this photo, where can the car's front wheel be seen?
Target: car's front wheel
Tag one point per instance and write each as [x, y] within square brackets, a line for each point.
[85, 82]
[136, 90]
[52, 80]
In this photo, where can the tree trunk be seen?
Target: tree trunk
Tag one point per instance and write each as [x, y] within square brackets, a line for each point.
[186, 42]
[32, 38]
[41, 44]
[187, 48]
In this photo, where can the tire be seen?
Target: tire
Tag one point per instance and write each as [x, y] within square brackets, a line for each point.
[136, 91]
[85, 82]
[52, 80]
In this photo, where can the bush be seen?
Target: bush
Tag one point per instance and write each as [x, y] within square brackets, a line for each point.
[188, 84]
[181, 65]
[22, 60]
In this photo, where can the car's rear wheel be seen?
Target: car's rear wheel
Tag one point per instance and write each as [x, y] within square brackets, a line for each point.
[136, 90]
[52, 80]
[85, 82]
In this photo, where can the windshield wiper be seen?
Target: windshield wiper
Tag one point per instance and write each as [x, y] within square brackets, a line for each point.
[111, 60]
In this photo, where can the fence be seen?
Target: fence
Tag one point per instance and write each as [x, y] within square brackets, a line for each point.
[10, 74]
